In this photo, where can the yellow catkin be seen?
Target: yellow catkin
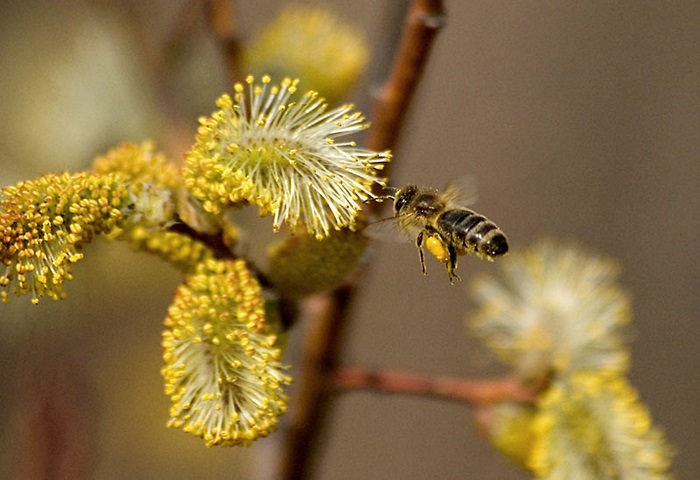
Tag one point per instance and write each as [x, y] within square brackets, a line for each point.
[511, 431]
[554, 308]
[310, 43]
[223, 370]
[591, 425]
[139, 163]
[183, 251]
[285, 153]
[44, 223]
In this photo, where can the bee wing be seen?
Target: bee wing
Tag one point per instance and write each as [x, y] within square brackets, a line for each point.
[391, 229]
[462, 190]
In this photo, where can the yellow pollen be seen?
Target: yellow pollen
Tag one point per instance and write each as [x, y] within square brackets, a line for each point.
[435, 246]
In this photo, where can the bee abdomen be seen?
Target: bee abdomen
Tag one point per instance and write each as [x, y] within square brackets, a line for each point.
[473, 232]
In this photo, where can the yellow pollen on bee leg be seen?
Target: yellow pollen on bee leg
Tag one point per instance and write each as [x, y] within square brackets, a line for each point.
[437, 249]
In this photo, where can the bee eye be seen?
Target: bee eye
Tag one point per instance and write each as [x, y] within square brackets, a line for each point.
[404, 197]
[401, 202]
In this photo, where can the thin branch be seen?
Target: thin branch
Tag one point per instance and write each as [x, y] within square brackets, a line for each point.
[222, 22]
[327, 315]
[156, 55]
[423, 21]
[214, 241]
[472, 392]
[326, 321]
[53, 432]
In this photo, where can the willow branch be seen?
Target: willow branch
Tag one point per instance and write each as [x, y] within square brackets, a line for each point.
[327, 315]
[472, 392]
[156, 57]
[51, 433]
[423, 21]
[222, 22]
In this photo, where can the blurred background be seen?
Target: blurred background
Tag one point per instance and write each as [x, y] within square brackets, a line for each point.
[579, 120]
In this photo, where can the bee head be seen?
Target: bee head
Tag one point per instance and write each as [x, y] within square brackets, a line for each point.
[403, 197]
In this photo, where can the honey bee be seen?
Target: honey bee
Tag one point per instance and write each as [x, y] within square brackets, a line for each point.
[438, 221]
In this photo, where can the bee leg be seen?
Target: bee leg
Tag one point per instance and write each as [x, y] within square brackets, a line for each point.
[419, 244]
[452, 265]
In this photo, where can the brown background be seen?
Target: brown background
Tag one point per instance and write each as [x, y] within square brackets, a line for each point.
[580, 120]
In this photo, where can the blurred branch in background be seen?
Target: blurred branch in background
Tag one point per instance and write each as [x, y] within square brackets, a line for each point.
[328, 315]
[424, 19]
[54, 435]
[222, 18]
[471, 392]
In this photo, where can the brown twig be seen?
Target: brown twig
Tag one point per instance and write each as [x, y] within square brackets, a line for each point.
[327, 315]
[472, 392]
[156, 56]
[423, 21]
[222, 22]
[53, 434]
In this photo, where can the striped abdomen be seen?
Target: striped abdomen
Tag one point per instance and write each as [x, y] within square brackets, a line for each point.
[471, 232]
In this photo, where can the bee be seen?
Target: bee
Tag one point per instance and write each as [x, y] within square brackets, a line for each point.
[439, 222]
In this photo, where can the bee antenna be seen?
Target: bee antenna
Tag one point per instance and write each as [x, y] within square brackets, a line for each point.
[390, 193]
